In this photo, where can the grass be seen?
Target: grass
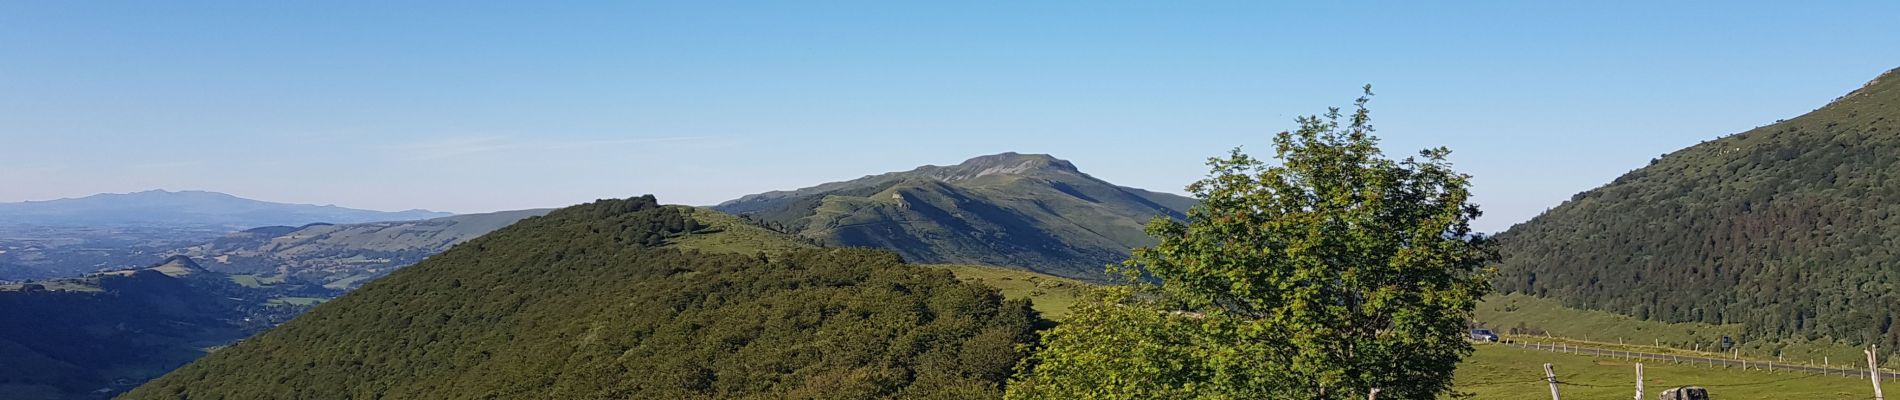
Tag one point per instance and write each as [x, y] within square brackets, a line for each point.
[1501, 372]
[1609, 330]
[1505, 312]
[1509, 373]
[1050, 295]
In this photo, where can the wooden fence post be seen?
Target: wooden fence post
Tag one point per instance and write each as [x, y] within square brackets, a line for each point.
[1551, 375]
[1373, 395]
[1873, 370]
[1639, 381]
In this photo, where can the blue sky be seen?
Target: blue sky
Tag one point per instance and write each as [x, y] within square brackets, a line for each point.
[472, 107]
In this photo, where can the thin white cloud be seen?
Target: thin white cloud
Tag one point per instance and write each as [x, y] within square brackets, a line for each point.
[437, 149]
[622, 142]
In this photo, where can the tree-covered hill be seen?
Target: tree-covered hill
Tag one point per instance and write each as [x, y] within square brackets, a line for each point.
[1791, 229]
[602, 301]
[1021, 210]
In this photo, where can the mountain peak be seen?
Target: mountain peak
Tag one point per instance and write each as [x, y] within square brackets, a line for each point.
[178, 266]
[1015, 159]
[1032, 211]
[1010, 163]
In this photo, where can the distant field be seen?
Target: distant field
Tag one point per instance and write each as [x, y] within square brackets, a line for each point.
[254, 281]
[1506, 312]
[346, 282]
[1050, 295]
[296, 301]
[1508, 373]
[57, 285]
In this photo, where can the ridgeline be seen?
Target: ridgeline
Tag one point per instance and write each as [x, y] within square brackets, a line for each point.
[602, 301]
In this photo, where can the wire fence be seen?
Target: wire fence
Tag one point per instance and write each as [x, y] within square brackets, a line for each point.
[1745, 364]
[1567, 382]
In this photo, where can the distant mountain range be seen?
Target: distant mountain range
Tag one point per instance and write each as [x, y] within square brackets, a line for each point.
[160, 208]
[1030, 211]
[1791, 230]
[344, 256]
[72, 237]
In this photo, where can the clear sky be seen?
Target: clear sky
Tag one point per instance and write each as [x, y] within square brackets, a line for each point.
[471, 107]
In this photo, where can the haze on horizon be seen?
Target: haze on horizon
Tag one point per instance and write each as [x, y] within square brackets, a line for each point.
[486, 107]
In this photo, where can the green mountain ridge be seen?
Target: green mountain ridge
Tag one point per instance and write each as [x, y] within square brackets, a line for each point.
[615, 299]
[1791, 230]
[1029, 211]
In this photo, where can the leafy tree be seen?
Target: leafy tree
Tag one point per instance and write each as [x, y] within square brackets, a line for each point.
[1330, 273]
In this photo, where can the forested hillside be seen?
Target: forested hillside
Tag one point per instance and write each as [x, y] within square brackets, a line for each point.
[603, 301]
[1029, 211]
[1791, 229]
[87, 338]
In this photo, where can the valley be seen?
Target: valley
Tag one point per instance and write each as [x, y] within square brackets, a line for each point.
[957, 281]
[119, 305]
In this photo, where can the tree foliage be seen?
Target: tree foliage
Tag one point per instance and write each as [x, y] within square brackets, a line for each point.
[1329, 273]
